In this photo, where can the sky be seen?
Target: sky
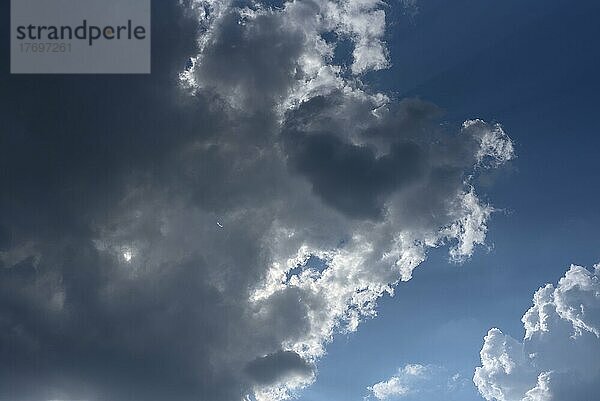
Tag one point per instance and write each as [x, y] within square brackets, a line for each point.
[530, 66]
[233, 226]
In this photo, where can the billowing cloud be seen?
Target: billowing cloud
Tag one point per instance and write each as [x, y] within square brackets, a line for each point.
[419, 382]
[205, 231]
[558, 359]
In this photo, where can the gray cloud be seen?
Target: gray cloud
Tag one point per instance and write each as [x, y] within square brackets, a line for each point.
[117, 283]
[274, 367]
[251, 60]
[349, 177]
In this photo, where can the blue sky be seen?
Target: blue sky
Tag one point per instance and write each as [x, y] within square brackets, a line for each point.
[531, 66]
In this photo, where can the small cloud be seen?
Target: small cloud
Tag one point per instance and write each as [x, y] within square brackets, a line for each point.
[416, 382]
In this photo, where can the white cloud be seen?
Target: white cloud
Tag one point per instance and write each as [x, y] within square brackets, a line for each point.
[393, 387]
[419, 382]
[470, 228]
[495, 146]
[303, 51]
[559, 356]
[375, 255]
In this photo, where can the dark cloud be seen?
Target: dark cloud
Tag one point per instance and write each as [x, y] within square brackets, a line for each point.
[69, 141]
[71, 149]
[350, 177]
[155, 241]
[356, 159]
[252, 60]
[277, 366]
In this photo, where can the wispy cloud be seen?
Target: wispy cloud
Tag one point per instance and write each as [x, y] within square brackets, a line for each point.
[419, 382]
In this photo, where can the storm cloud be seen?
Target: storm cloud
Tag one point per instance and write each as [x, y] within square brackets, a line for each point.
[156, 232]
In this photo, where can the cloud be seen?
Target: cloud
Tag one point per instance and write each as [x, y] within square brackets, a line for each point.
[419, 382]
[272, 368]
[558, 356]
[117, 283]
